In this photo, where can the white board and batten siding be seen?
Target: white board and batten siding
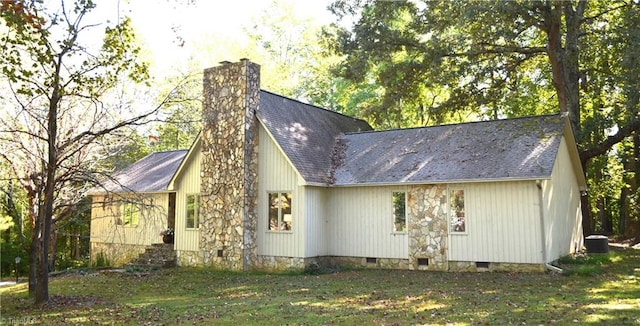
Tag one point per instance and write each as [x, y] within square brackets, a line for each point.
[360, 223]
[316, 221]
[152, 219]
[187, 239]
[276, 174]
[562, 208]
[502, 223]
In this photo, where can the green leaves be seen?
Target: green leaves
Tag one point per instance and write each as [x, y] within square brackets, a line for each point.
[442, 61]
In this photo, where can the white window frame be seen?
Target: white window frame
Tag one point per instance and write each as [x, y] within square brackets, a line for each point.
[196, 211]
[450, 189]
[282, 218]
[393, 212]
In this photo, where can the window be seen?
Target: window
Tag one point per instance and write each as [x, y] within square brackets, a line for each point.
[399, 211]
[280, 211]
[456, 211]
[130, 213]
[193, 211]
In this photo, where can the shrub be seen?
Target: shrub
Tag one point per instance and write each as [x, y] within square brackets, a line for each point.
[102, 260]
[583, 264]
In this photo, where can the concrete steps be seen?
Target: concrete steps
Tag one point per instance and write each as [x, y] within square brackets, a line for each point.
[156, 256]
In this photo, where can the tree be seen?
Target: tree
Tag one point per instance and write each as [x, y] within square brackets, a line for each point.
[67, 111]
[444, 57]
[286, 46]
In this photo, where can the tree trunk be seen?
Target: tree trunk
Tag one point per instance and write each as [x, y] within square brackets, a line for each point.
[76, 247]
[634, 184]
[34, 248]
[42, 264]
[565, 71]
[53, 248]
[564, 58]
[601, 204]
[587, 225]
[42, 285]
[623, 210]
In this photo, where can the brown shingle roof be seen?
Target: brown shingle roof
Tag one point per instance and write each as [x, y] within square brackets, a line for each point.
[521, 148]
[306, 133]
[150, 174]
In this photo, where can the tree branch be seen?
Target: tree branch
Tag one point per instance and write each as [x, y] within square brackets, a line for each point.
[604, 146]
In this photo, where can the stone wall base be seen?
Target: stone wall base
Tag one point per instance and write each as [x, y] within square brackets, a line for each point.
[279, 264]
[116, 254]
[428, 264]
[364, 262]
[189, 258]
[466, 266]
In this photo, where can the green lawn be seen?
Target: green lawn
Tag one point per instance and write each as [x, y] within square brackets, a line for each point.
[355, 297]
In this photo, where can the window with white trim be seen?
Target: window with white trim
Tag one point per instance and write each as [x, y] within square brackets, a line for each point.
[280, 218]
[130, 214]
[193, 211]
[399, 201]
[457, 213]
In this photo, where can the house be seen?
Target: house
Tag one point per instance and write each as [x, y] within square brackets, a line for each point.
[272, 183]
[132, 208]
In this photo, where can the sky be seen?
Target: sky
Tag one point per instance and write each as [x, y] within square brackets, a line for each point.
[171, 29]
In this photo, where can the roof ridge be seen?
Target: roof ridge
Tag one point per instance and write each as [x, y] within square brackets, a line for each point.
[314, 106]
[460, 123]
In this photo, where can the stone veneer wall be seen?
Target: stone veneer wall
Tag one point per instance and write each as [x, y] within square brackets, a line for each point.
[189, 258]
[427, 227]
[465, 266]
[228, 216]
[364, 262]
[116, 254]
[280, 263]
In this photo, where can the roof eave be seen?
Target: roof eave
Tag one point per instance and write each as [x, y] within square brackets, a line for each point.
[425, 182]
[129, 192]
[574, 154]
[181, 167]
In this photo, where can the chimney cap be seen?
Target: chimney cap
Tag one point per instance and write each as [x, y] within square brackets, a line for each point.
[225, 62]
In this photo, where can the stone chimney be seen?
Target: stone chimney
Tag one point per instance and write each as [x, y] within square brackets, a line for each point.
[228, 213]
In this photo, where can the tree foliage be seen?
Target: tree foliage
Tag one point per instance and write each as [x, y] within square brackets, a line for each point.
[66, 109]
[434, 60]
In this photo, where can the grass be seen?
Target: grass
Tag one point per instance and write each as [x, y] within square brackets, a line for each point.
[584, 264]
[378, 297]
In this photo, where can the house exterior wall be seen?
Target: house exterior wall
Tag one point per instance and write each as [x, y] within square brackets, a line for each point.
[562, 208]
[187, 240]
[503, 224]
[229, 165]
[360, 223]
[118, 243]
[316, 221]
[275, 174]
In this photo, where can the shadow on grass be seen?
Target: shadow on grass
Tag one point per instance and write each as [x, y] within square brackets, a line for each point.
[204, 296]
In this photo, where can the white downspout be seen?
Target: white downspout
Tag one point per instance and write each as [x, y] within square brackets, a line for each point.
[542, 231]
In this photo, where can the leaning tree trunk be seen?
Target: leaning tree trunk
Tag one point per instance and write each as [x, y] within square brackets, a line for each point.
[565, 71]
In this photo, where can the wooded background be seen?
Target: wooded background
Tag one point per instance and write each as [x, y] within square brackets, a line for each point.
[74, 113]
